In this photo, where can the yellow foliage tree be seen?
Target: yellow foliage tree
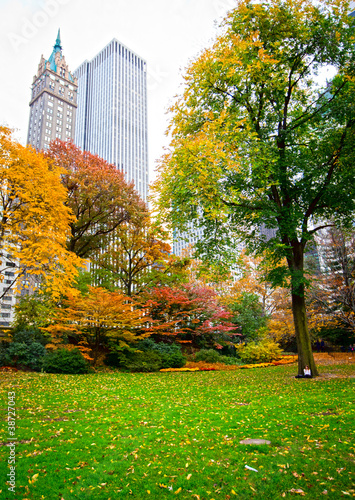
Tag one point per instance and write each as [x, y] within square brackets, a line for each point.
[137, 257]
[34, 221]
[95, 317]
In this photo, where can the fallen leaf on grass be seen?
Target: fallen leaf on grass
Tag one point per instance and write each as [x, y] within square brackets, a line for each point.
[33, 479]
[297, 491]
[177, 491]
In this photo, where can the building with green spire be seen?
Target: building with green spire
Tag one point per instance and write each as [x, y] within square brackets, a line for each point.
[53, 102]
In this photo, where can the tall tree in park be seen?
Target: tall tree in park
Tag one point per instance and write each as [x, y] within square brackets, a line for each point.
[99, 196]
[34, 220]
[258, 141]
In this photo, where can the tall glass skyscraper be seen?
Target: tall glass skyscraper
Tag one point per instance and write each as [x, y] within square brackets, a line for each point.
[111, 118]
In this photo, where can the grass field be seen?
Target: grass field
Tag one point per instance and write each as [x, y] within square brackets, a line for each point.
[176, 435]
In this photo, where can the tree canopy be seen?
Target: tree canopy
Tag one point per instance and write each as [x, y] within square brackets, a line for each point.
[34, 220]
[191, 314]
[137, 258]
[96, 317]
[259, 141]
[99, 196]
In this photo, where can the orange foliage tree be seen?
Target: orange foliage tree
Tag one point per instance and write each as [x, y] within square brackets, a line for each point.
[34, 220]
[96, 318]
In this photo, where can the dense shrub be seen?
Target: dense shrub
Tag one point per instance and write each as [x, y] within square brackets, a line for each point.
[4, 357]
[174, 360]
[135, 361]
[208, 355]
[171, 354]
[212, 356]
[116, 360]
[263, 351]
[161, 347]
[148, 361]
[26, 349]
[24, 355]
[64, 361]
[28, 335]
[148, 357]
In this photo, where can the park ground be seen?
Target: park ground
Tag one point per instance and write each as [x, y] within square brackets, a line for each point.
[177, 435]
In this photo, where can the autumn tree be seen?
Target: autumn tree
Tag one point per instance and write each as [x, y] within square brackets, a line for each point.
[34, 221]
[96, 318]
[259, 141]
[189, 314]
[138, 257]
[99, 196]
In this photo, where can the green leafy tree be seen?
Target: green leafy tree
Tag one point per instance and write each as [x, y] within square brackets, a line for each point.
[248, 314]
[258, 142]
[33, 311]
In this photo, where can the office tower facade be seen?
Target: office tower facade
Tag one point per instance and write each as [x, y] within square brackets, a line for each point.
[53, 101]
[111, 119]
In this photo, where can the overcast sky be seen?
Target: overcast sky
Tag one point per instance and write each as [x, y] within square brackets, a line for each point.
[166, 33]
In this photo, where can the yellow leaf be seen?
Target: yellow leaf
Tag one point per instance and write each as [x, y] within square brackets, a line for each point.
[177, 491]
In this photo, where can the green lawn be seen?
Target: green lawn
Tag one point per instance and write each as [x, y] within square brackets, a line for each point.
[176, 435]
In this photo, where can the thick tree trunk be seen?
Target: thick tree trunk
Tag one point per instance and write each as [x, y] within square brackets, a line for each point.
[304, 348]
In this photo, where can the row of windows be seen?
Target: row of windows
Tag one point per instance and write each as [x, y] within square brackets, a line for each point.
[58, 135]
[59, 122]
